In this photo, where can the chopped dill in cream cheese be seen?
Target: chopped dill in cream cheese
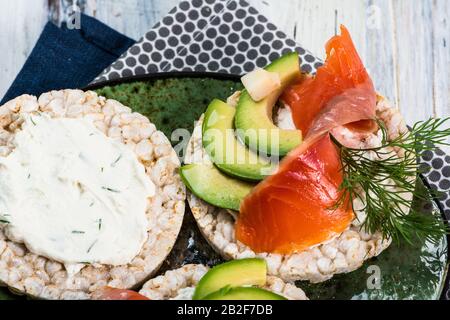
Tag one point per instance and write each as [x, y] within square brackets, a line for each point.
[49, 192]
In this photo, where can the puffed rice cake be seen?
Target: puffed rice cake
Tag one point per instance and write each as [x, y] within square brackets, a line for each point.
[342, 254]
[36, 276]
[172, 284]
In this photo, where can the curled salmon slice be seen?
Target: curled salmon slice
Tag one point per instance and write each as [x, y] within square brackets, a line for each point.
[295, 208]
[341, 93]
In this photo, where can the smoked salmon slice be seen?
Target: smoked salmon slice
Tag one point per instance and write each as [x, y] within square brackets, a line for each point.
[296, 208]
[341, 93]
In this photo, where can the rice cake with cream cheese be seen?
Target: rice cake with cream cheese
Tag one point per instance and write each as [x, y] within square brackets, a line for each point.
[26, 272]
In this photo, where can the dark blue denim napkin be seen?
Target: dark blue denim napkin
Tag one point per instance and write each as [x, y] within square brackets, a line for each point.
[64, 58]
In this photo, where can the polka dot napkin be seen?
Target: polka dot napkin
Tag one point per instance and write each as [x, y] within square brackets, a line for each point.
[231, 37]
[225, 36]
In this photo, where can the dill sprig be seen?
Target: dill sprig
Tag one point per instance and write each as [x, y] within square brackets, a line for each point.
[116, 161]
[91, 246]
[110, 189]
[384, 182]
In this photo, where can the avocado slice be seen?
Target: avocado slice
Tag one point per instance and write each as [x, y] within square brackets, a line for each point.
[214, 187]
[252, 272]
[228, 154]
[243, 293]
[253, 120]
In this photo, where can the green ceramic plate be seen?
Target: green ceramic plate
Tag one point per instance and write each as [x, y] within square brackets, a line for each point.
[177, 101]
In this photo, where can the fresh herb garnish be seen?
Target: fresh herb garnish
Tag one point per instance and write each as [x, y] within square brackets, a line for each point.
[110, 189]
[92, 204]
[32, 121]
[4, 221]
[29, 176]
[384, 181]
[100, 224]
[91, 246]
[115, 162]
[78, 232]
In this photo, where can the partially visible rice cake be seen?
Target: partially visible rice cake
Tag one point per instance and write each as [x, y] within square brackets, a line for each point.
[27, 273]
[180, 284]
[342, 254]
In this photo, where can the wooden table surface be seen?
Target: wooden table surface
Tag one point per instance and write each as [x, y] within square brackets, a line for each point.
[405, 44]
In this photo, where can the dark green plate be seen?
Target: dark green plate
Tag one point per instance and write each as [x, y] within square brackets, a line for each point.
[176, 101]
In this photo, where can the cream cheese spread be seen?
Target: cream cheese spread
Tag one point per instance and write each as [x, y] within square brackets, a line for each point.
[72, 194]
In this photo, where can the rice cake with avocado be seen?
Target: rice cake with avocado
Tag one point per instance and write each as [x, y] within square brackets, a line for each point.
[180, 284]
[342, 254]
[26, 272]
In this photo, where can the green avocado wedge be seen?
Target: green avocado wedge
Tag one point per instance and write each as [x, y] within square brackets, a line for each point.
[253, 120]
[214, 187]
[228, 154]
[236, 273]
[243, 293]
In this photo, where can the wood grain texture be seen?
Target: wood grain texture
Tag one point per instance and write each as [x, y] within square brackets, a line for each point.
[21, 22]
[414, 58]
[133, 17]
[380, 57]
[313, 22]
[404, 43]
[441, 57]
[381, 29]
[441, 60]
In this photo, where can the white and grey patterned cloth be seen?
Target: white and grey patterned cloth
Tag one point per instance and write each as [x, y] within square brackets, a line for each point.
[222, 36]
[231, 37]
[438, 177]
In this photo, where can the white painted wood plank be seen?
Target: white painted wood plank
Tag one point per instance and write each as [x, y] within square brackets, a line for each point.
[313, 22]
[132, 17]
[414, 51]
[21, 22]
[379, 37]
[441, 44]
